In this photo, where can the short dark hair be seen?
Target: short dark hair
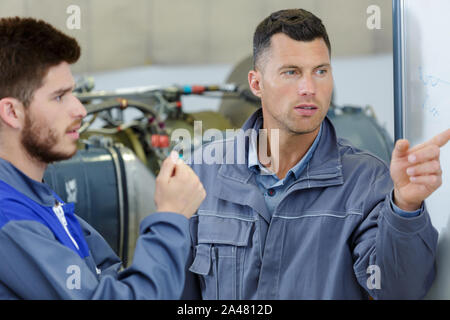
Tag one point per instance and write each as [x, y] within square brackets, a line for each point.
[298, 24]
[28, 49]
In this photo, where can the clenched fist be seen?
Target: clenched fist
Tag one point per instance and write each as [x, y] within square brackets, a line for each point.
[178, 189]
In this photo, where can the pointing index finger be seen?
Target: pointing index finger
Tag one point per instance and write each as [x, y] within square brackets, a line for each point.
[439, 140]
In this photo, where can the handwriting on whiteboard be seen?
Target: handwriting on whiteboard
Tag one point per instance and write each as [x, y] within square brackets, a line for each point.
[431, 81]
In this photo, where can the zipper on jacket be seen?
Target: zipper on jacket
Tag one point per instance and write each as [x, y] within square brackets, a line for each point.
[216, 267]
[59, 212]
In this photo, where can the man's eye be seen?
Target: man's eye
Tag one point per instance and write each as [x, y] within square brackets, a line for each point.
[321, 72]
[290, 72]
[59, 98]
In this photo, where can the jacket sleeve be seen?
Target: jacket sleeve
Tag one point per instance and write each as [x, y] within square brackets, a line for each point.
[36, 266]
[394, 256]
[102, 254]
[192, 289]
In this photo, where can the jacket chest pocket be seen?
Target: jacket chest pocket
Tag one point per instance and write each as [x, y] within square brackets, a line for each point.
[219, 255]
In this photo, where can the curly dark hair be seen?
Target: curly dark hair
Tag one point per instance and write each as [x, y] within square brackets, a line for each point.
[298, 24]
[28, 49]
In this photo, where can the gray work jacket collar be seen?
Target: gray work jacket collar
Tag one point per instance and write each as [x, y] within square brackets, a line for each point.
[236, 183]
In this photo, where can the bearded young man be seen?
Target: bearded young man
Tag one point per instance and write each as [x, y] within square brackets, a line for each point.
[318, 219]
[41, 239]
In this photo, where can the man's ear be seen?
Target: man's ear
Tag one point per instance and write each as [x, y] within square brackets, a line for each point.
[254, 81]
[12, 112]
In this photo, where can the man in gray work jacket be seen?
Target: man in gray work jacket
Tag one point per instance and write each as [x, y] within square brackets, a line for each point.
[46, 251]
[312, 217]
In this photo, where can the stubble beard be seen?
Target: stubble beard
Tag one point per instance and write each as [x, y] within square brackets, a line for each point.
[38, 141]
[287, 124]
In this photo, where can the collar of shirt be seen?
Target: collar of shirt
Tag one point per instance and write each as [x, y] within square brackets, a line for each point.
[38, 192]
[257, 167]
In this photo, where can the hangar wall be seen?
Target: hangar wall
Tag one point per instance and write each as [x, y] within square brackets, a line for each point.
[117, 34]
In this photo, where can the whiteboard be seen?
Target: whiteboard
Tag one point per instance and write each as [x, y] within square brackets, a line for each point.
[421, 53]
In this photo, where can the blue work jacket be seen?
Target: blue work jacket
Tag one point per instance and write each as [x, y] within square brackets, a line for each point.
[43, 258]
[334, 234]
